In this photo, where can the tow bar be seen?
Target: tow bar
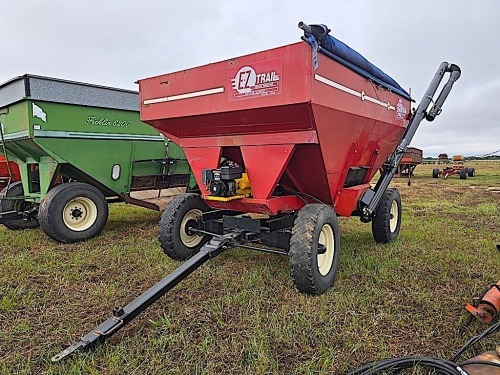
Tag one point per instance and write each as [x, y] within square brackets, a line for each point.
[124, 315]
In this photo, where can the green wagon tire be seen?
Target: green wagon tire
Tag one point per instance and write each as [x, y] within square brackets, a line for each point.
[182, 213]
[73, 212]
[7, 205]
[386, 223]
[314, 249]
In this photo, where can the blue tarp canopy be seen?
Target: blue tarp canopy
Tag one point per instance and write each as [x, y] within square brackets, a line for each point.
[342, 53]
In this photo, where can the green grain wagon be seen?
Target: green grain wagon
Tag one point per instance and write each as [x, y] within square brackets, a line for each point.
[80, 147]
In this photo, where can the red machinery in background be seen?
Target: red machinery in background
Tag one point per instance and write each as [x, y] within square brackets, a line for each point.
[458, 169]
[410, 160]
[9, 172]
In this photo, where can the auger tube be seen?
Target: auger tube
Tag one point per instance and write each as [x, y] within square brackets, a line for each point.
[371, 198]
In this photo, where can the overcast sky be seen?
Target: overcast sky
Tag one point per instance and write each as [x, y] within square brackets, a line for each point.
[114, 43]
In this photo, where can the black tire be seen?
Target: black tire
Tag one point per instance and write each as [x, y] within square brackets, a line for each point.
[313, 272]
[463, 173]
[386, 223]
[471, 172]
[73, 212]
[435, 173]
[181, 212]
[7, 205]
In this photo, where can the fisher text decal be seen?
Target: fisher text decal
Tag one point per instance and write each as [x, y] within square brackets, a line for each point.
[105, 121]
[255, 80]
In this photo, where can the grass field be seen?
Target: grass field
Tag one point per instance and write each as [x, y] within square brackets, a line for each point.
[239, 313]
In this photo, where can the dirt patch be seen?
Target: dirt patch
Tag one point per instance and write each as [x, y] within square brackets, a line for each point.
[493, 189]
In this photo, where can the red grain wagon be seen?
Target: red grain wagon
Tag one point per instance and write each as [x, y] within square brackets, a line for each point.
[280, 142]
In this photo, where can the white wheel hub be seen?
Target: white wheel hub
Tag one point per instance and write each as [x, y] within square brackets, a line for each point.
[327, 239]
[393, 221]
[190, 239]
[80, 214]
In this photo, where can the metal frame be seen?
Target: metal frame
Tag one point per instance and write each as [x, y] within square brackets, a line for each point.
[240, 232]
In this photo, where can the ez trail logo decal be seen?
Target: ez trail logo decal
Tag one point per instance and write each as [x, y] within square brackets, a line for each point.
[255, 80]
[401, 110]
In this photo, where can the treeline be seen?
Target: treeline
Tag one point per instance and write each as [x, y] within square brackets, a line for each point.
[489, 157]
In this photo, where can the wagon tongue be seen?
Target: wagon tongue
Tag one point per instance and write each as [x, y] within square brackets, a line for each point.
[93, 338]
[124, 315]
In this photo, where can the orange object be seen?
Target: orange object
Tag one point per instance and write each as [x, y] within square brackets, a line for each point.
[483, 368]
[489, 305]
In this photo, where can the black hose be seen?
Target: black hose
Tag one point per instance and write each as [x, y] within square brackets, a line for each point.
[445, 367]
[473, 341]
[393, 365]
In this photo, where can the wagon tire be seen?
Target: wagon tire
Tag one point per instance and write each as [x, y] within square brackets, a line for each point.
[180, 214]
[313, 267]
[73, 212]
[463, 173]
[7, 205]
[471, 172]
[386, 223]
[435, 173]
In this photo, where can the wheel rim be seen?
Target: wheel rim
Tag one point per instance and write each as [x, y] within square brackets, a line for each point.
[393, 221]
[327, 239]
[80, 214]
[190, 239]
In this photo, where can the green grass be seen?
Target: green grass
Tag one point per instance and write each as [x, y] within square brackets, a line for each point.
[239, 313]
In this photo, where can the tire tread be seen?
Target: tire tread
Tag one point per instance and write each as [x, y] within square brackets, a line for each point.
[380, 222]
[170, 241]
[303, 249]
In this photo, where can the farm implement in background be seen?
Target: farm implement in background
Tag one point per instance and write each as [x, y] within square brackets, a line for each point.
[280, 143]
[9, 172]
[79, 147]
[410, 160]
[458, 169]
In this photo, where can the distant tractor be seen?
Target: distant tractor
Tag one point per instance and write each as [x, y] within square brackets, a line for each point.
[459, 168]
[443, 159]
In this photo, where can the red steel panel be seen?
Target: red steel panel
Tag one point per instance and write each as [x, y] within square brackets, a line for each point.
[4, 172]
[265, 165]
[200, 158]
[298, 137]
[178, 91]
[349, 198]
[271, 206]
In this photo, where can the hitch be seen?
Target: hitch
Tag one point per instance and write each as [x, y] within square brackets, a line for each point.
[124, 315]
